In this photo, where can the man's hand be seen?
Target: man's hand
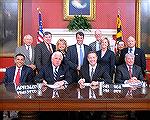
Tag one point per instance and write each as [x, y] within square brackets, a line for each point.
[81, 81]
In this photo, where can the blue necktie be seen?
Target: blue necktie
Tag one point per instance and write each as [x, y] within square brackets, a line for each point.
[81, 56]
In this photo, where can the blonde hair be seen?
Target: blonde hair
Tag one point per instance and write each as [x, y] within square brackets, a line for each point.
[63, 41]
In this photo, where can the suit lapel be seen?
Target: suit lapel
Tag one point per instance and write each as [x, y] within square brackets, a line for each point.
[32, 55]
[26, 53]
[22, 80]
[87, 73]
[133, 71]
[126, 72]
[75, 53]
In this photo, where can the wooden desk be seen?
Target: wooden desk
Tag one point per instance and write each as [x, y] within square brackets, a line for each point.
[73, 98]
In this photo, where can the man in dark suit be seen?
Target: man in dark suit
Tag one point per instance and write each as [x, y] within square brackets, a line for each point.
[55, 73]
[139, 54]
[129, 72]
[44, 50]
[95, 46]
[77, 55]
[19, 74]
[94, 72]
[27, 50]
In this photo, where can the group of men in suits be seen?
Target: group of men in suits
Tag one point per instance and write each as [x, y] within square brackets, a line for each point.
[79, 58]
[81, 66]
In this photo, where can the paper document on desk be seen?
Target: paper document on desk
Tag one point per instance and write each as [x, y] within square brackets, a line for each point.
[87, 84]
[53, 86]
[126, 85]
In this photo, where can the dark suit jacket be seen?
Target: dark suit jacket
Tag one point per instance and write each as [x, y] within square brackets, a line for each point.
[108, 60]
[42, 55]
[93, 46]
[72, 58]
[139, 58]
[24, 51]
[46, 73]
[122, 73]
[101, 74]
[27, 75]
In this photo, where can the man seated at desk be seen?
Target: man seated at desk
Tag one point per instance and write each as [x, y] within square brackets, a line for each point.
[93, 72]
[55, 72]
[20, 73]
[129, 72]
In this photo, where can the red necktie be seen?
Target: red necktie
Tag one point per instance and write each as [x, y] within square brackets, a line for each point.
[130, 71]
[17, 80]
[50, 48]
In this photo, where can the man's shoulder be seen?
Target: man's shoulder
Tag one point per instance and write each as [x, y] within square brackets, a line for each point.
[93, 43]
[10, 68]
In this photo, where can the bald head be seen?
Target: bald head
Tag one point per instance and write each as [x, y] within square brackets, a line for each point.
[98, 35]
[131, 42]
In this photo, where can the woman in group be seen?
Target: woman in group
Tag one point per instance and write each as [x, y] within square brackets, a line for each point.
[61, 46]
[106, 57]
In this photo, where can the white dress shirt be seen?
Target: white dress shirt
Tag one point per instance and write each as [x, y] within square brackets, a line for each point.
[133, 50]
[30, 50]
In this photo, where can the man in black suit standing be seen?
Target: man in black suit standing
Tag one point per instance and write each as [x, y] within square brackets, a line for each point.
[93, 72]
[129, 72]
[55, 73]
[139, 54]
[77, 56]
[44, 50]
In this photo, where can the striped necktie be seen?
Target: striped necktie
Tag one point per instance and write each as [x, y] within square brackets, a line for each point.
[55, 74]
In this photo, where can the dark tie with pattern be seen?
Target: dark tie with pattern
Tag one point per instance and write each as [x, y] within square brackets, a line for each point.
[17, 80]
[130, 71]
[130, 50]
[92, 72]
[55, 74]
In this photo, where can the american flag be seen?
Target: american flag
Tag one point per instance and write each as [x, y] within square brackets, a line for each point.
[40, 30]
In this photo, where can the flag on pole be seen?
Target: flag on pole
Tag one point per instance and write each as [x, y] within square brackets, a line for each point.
[40, 29]
[119, 28]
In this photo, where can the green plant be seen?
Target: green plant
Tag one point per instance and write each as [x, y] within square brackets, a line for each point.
[79, 22]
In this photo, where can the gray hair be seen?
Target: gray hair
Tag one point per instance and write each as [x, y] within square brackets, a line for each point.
[28, 35]
[57, 53]
[129, 54]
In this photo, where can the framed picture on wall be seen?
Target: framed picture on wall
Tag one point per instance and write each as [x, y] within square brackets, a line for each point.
[79, 7]
[143, 26]
[10, 26]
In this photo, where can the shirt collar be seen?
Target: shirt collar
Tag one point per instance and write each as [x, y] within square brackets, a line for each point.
[94, 67]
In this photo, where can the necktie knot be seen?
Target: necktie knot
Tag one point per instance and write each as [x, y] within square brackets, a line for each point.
[130, 50]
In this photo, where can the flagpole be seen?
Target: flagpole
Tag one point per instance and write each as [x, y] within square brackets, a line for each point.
[40, 29]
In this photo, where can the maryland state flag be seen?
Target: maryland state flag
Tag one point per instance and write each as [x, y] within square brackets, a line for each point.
[119, 28]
